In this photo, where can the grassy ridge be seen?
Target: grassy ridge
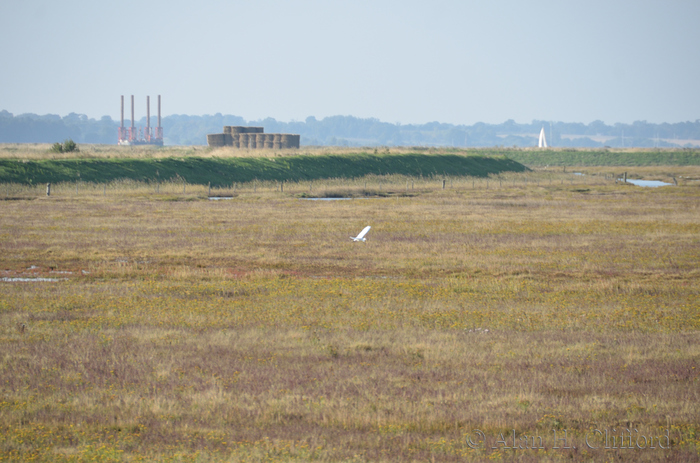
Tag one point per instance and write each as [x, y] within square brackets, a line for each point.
[223, 171]
[631, 157]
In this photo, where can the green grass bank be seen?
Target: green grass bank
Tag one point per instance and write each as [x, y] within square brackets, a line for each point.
[604, 157]
[224, 171]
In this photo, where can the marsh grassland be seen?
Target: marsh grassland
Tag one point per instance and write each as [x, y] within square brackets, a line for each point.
[174, 328]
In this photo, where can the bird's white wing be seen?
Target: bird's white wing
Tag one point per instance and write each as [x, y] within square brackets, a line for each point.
[363, 232]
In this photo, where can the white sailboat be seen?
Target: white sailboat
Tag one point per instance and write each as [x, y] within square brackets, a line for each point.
[543, 140]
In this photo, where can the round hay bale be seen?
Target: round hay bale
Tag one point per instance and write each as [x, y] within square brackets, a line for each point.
[243, 140]
[276, 141]
[296, 141]
[216, 139]
[260, 140]
[285, 141]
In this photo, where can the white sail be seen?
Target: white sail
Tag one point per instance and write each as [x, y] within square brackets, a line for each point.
[543, 140]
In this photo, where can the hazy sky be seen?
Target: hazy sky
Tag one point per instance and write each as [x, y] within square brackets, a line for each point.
[455, 61]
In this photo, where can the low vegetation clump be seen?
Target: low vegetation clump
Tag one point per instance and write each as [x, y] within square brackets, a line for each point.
[144, 325]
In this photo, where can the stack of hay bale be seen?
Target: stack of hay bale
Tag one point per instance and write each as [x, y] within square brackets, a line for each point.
[216, 139]
[252, 138]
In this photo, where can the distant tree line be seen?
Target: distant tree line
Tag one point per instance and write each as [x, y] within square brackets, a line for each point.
[353, 131]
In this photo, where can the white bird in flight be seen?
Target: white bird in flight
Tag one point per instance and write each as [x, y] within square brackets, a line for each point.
[361, 236]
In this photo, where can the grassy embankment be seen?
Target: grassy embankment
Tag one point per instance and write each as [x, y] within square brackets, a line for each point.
[225, 170]
[254, 330]
[35, 164]
[633, 157]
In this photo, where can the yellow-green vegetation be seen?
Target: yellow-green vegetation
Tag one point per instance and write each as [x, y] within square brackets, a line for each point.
[42, 151]
[138, 325]
[531, 156]
[219, 171]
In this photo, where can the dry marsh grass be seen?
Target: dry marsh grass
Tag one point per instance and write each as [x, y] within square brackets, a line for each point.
[36, 151]
[253, 329]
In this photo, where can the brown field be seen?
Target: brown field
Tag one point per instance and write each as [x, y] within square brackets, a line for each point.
[173, 328]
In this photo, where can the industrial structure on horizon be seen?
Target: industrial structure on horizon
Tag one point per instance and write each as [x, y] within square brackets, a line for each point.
[141, 135]
[252, 138]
